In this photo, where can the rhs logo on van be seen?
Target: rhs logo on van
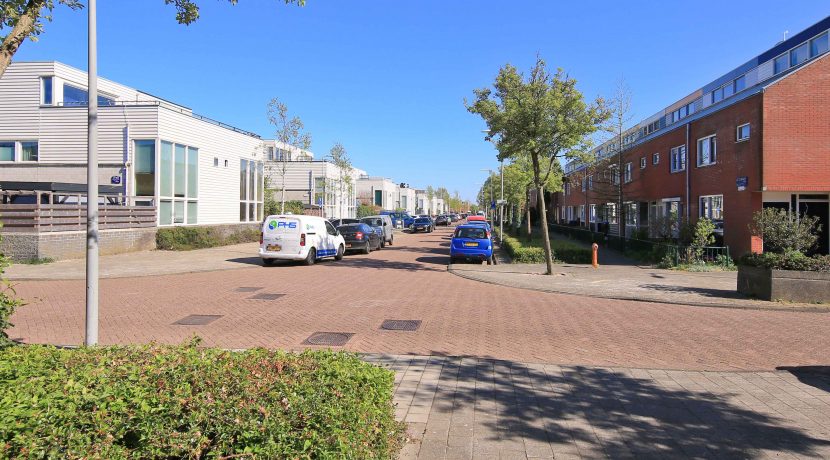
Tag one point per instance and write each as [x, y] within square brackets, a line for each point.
[281, 224]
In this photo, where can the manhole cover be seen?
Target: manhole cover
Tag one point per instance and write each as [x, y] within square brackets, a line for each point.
[247, 289]
[401, 324]
[197, 320]
[265, 296]
[330, 339]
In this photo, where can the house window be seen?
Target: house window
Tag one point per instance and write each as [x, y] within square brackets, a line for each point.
[591, 182]
[178, 184]
[743, 132]
[46, 90]
[19, 151]
[74, 96]
[781, 63]
[6, 151]
[28, 151]
[711, 207]
[799, 54]
[717, 95]
[584, 183]
[627, 173]
[615, 175]
[250, 190]
[643, 163]
[215, 162]
[593, 212]
[655, 159]
[144, 152]
[740, 84]
[631, 214]
[707, 151]
[819, 45]
[678, 158]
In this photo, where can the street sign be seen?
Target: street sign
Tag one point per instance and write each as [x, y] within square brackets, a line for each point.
[742, 182]
[500, 202]
[492, 205]
[115, 180]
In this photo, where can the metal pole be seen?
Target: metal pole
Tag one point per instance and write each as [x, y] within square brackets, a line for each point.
[91, 337]
[501, 205]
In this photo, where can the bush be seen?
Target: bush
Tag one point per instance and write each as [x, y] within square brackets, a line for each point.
[563, 251]
[188, 238]
[792, 260]
[784, 231]
[8, 303]
[187, 402]
[365, 210]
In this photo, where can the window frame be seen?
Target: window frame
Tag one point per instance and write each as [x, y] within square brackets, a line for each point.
[43, 86]
[184, 207]
[655, 159]
[738, 137]
[673, 153]
[17, 151]
[710, 198]
[713, 154]
[628, 176]
[643, 163]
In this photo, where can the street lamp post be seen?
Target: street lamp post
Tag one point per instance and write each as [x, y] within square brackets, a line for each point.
[91, 320]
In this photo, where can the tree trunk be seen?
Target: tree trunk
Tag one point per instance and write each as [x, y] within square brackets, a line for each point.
[529, 227]
[24, 27]
[545, 236]
[282, 193]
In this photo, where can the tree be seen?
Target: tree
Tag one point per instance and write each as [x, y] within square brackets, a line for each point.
[341, 159]
[291, 133]
[544, 118]
[620, 116]
[26, 19]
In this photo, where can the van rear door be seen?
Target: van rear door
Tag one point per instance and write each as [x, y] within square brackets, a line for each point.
[281, 234]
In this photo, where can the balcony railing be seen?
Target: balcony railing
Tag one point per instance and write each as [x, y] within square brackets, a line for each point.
[33, 218]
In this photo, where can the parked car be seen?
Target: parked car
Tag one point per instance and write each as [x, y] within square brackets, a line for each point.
[399, 219]
[442, 220]
[360, 237]
[339, 222]
[471, 242]
[423, 224]
[383, 225]
[476, 218]
[296, 237]
[453, 217]
[481, 223]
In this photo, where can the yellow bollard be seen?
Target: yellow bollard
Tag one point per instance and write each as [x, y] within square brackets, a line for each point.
[594, 250]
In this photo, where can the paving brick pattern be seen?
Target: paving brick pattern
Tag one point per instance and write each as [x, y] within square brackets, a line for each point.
[469, 408]
[409, 280]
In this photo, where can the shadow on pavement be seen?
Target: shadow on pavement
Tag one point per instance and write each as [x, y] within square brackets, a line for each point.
[613, 414]
[381, 264]
[706, 292]
[815, 376]
[246, 260]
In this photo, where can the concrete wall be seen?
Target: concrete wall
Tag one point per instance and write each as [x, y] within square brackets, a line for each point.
[72, 245]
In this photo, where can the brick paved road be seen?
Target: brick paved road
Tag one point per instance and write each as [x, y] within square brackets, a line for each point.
[459, 317]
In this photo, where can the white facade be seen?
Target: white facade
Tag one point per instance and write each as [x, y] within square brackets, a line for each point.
[378, 191]
[407, 199]
[194, 170]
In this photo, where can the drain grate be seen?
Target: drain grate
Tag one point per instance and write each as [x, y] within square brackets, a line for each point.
[329, 339]
[401, 324]
[197, 320]
[248, 289]
[264, 296]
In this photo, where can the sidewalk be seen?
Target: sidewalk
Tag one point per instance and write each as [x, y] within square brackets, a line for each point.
[470, 408]
[619, 277]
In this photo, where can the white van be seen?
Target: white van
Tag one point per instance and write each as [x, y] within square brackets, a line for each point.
[296, 237]
[384, 222]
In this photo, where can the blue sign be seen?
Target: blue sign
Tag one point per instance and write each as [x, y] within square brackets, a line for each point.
[492, 205]
[284, 224]
[742, 182]
[115, 180]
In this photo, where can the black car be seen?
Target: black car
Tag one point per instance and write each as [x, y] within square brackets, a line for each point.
[442, 220]
[360, 237]
[422, 224]
[339, 222]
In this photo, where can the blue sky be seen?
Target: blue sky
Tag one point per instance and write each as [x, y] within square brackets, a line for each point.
[388, 79]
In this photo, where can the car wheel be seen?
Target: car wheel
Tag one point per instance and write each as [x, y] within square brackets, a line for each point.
[368, 248]
[311, 257]
[382, 243]
[490, 261]
[390, 241]
[340, 251]
[268, 262]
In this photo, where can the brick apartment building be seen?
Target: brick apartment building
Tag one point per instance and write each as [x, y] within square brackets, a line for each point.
[758, 136]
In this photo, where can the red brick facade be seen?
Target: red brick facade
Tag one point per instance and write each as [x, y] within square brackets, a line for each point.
[788, 150]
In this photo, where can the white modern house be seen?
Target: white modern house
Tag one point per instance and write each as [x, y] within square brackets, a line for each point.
[407, 198]
[192, 169]
[377, 191]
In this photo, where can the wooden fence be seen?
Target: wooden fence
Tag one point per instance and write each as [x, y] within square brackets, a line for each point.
[70, 217]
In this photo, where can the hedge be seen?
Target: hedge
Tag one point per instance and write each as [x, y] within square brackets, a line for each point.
[187, 238]
[789, 261]
[189, 402]
[563, 251]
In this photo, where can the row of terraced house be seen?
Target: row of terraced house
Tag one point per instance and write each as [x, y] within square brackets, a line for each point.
[754, 138]
[160, 164]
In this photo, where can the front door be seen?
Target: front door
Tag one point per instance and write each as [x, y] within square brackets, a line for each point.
[821, 210]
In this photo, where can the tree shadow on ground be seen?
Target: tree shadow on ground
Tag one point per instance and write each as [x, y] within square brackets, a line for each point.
[246, 260]
[598, 412]
[434, 260]
[706, 292]
[381, 264]
[815, 376]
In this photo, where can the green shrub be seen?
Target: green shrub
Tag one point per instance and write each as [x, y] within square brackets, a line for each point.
[534, 253]
[8, 303]
[792, 260]
[784, 231]
[187, 238]
[188, 402]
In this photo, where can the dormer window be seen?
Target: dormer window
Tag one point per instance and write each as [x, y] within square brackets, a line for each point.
[74, 96]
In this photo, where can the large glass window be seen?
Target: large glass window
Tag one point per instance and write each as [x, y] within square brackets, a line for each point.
[28, 151]
[192, 208]
[819, 45]
[178, 212]
[192, 172]
[165, 212]
[6, 151]
[72, 95]
[145, 168]
[781, 63]
[46, 91]
[250, 190]
[180, 181]
[166, 169]
[678, 158]
[707, 151]
[711, 207]
[243, 179]
[799, 55]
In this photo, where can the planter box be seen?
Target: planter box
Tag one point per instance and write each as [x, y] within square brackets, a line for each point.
[789, 285]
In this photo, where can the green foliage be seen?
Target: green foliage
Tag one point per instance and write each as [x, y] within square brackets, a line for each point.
[188, 238]
[8, 303]
[37, 261]
[187, 402]
[784, 231]
[533, 253]
[367, 210]
[703, 235]
[791, 260]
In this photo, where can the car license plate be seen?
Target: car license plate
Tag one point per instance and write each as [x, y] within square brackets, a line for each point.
[472, 244]
[273, 248]
[348, 245]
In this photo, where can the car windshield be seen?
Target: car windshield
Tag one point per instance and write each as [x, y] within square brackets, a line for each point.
[422, 220]
[471, 233]
[372, 222]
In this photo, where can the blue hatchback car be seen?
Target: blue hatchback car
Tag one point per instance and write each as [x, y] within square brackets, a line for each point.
[471, 242]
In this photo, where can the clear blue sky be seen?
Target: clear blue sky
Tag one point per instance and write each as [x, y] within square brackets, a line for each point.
[388, 78]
